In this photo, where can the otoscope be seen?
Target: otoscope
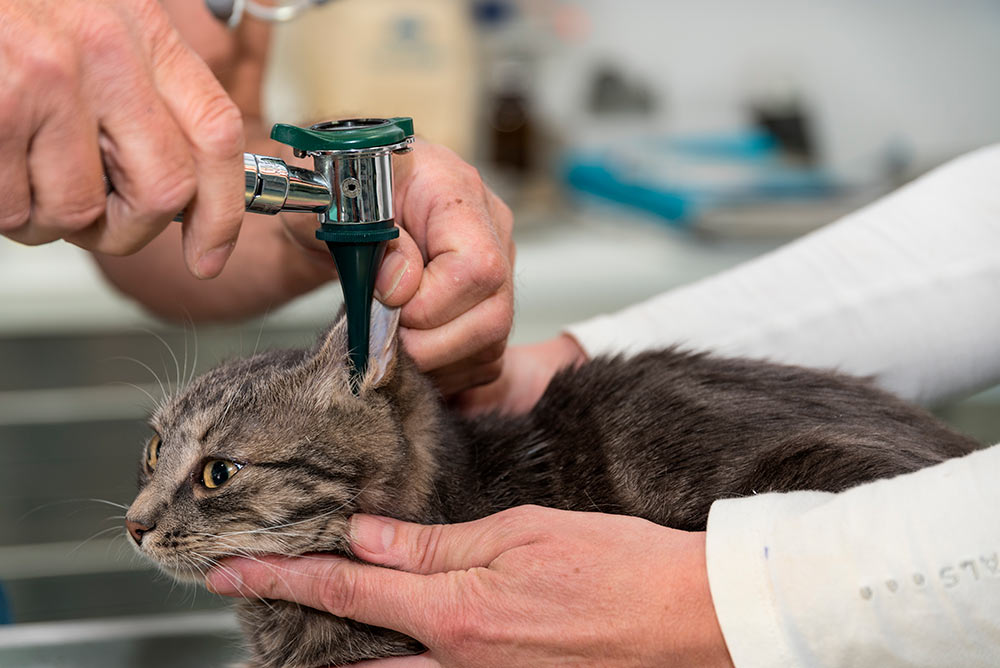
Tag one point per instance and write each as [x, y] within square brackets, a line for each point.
[351, 190]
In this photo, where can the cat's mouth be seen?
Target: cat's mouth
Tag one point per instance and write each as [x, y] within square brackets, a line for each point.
[182, 566]
[188, 574]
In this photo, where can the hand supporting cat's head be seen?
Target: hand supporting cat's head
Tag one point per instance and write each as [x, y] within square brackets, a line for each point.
[273, 453]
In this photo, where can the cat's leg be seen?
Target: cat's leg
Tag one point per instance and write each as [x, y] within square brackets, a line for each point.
[286, 635]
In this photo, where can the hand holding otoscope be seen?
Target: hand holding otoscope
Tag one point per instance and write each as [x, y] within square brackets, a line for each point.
[110, 86]
[351, 190]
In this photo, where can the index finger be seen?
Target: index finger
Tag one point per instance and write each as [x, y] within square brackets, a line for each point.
[408, 603]
[213, 126]
[424, 660]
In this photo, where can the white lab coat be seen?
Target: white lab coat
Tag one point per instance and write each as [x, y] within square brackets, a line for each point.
[900, 572]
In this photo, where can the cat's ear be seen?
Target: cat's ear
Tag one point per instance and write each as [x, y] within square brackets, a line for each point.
[332, 347]
[383, 343]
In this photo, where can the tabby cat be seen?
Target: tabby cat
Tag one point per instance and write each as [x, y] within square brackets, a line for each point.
[272, 454]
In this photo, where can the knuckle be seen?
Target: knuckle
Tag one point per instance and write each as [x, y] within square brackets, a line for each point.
[76, 215]
[503, 215]
[169, 195]
[495, 323]
[104, 32]
[337, 594]
[468, 173]
[13, 219]
[491, 271]
[463, 628]
[52, 65]
[428, 540]
[153, 18]
[472, 603]
[530, 522]
[515, 518]
[420, 314]
[220, 126]
[119, 245]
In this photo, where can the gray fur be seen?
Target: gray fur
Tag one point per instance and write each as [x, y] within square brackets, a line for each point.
[659, 436]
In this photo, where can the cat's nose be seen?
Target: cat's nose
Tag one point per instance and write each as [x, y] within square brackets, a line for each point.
[137, 530]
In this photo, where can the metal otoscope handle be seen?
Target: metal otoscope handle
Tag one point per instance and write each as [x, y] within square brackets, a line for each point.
[273, 186]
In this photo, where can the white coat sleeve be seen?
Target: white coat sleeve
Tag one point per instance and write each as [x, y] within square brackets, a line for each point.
[906, 290]
[900, 572]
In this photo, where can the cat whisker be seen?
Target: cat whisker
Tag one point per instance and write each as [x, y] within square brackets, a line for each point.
[230, 575]
[65, 501]
[156, 377]
[194, 361]
[109, 503]
[256, 556]
[155, 402]
[247, 375]
[99, 533]
[260, 331]
[284, 547]
[273, 568]
[308, 519]
[177, 368]
[257, 532]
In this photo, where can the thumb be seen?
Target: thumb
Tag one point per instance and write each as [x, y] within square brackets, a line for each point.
[439, 548]
[400, 272]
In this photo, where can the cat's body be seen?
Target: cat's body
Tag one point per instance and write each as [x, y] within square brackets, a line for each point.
[660, 436]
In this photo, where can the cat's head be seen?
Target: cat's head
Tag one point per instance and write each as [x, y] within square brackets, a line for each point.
[273, 453]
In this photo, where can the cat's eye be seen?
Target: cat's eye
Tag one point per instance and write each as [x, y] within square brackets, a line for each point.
[218, 472]
[153, 452]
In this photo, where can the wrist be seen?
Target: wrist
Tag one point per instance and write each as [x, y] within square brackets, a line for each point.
[694, 610]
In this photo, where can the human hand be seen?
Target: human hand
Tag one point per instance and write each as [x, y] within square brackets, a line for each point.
[526, 373]
[451, 270]
[86, 81]
[529, 586]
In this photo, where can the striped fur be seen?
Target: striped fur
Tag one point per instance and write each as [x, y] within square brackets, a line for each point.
[660, 436]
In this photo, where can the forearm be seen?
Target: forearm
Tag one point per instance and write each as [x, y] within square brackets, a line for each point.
[904, 290]
[265, 271]
[899, 572]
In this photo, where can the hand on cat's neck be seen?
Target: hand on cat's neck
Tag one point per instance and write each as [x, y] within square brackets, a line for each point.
[608, 590]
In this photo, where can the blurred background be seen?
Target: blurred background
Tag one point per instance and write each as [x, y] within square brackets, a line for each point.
[642, 144]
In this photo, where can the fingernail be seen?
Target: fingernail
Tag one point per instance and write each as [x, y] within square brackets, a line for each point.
[372, 534]
[390, 274]
[211, 262]
[224, 580]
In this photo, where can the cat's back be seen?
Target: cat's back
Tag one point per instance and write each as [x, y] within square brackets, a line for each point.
[677, 430]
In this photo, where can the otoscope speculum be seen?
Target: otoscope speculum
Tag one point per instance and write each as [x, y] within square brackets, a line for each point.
[355, 158]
